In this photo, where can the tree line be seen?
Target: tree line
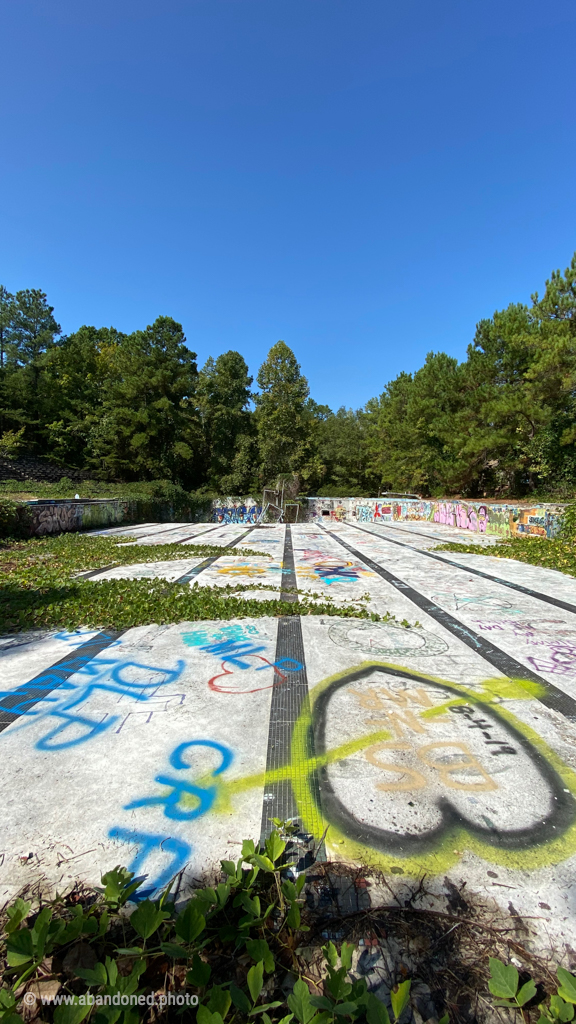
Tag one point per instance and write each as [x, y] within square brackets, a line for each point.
[134, 406]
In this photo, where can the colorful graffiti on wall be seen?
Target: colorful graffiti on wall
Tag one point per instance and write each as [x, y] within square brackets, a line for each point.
[502, 520]
[236, 514]
[478, 517]
[328, 508]
[64, 516]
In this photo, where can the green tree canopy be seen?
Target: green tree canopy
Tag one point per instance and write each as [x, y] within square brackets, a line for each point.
[281, 415]
[501, 422]
[224, 398]
[33, 328]
[149, 426]
[7, 310]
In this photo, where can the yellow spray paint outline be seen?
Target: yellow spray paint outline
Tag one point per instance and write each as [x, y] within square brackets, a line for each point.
[455, 841]
[301, 769]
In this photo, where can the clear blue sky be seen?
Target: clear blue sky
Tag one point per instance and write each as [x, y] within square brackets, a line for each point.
[363, 179]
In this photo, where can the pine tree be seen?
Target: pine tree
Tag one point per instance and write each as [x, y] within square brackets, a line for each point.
[33, 327]
[224, 396]
[282, 420]
[6, 321]
[149, 426]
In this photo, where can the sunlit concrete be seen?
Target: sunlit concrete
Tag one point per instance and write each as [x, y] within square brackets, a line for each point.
[153, 752]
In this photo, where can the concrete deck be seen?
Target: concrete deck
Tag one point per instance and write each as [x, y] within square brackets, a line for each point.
[447, 748]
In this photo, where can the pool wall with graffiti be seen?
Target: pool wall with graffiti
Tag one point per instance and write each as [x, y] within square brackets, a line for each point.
[502, 520]
[46, 516]
[236, 510]
[496, 519]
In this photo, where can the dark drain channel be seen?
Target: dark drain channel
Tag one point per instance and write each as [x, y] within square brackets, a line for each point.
[552, 698]
[288, 700]
[24, 697]
[565, 605]
[192, 573]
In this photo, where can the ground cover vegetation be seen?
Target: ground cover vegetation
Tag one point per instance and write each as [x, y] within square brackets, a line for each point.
[40, 587]
[249, 948]
[135, 407]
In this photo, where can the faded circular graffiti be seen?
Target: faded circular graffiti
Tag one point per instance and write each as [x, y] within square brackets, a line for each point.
[385, 638]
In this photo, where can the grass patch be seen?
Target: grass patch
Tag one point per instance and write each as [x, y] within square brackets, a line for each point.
[70, 553]
[121, 604]
[38, 588]
[550, 554]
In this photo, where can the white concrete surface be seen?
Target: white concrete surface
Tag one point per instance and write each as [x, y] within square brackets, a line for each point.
[153, 753]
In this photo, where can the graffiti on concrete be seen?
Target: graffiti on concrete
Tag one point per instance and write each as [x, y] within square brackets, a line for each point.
[561, 662]
[310, 554]
[334, 570]
[385, 639]
[383, 512]
[237, 648]
[248, 569]
[176, 802]
[73, 639]
[185, 801]
[413, 771]
[458, 599]
[64, 516]
[467, 517]
[477, 517]
[327, 509]
[56, 518]
[235, 631]
[221, 683]
[364, 513]
[147, 843]
[160, 703]
[59, 701]
[555, 639]
[236, 514]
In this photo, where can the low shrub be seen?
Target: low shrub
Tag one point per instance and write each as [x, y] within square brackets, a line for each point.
[230, 953]
[15, 519]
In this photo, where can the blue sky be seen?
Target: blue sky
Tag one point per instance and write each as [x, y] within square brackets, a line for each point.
[363, 179]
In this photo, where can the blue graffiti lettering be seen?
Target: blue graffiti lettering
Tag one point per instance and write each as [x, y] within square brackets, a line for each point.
[200, 637]
[233, 652]
[94, 729]
[123, 678]
[181, 854]
[236, 514]
[227, 755]
[204, 794]
[336, 574]
[171, 801]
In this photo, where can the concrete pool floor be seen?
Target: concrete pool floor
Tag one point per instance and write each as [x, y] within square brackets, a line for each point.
[446, 748]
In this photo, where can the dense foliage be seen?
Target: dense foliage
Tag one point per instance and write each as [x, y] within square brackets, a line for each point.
[227, 952]
[135, 407]
[246, 948]
[40, 587]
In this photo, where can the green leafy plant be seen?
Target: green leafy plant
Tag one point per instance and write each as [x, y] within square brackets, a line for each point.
[11, 443]
[39, 587]
[560, 1006]
[230, 941]
[558, 553]
[504, 982]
